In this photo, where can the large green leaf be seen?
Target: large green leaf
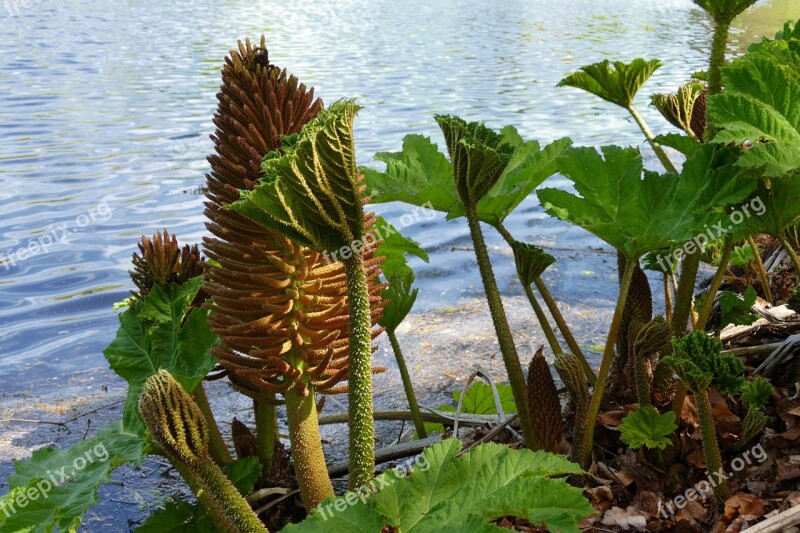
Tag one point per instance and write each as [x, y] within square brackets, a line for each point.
[479, 400]
[529, 166]
[724, 10]
[760, 108]
[778, 206]
[161, 331]
[418, 175]
[55, 488]
[638, 211]
[616, 82]
[466, 493]
[421, 175]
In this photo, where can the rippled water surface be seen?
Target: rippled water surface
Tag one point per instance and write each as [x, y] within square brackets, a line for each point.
[105, 113]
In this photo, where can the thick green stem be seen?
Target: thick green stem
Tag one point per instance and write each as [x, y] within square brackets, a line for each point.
[407, 385]
[711, 453]
[716, 282]
[217, 447]
[227, 508]
[513, 367]
[659, 151]
[717, 58]
[555, 313]
[685, 293]
[605, 365]
[266, 433]
[543, 322]
[792, 254]
[309, 460]
[362, 431]
[762, 272]
[564, 329]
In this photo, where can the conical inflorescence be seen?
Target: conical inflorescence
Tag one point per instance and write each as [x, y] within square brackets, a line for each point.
[273, 299]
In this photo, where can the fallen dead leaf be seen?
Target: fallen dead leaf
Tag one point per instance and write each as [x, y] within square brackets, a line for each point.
[746, 506]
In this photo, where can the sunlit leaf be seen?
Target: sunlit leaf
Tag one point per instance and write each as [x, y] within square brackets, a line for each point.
[647, 427]
[616, 82]
[445, 493]
[159, 331]
[638, 211]
[55, 487]
[760, 109]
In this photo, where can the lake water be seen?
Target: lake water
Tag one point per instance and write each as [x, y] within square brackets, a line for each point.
[105, 113]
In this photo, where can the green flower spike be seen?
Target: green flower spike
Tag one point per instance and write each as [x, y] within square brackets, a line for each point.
[177, 425]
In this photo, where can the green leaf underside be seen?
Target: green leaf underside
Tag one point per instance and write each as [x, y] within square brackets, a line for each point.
[486, 483]
[761, 106]
[152, 336]
[178, 516]
[724, 10]
[779, 206]
[682, 143]
[637, 211]
[394, 248]
[320, 209]
[64, 505]
[616, 82]
[647, 427]
[421, 175]
[736, 309]
[400, 298]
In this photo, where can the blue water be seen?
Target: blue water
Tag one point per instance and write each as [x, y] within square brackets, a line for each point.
[105, 116]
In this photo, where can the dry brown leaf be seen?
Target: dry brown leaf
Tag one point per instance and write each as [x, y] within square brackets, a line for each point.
[747, 506]
[602, 498]
[696, 458]
[612, 418]
[692, 512]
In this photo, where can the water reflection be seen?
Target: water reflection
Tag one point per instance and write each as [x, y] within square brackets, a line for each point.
[113, 101]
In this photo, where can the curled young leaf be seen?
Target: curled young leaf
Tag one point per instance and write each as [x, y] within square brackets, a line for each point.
[531, 261]
[685, 109]
[478, 155]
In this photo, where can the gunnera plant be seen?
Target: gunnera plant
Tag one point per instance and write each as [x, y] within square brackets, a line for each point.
[479, 156]
[163, 262]
[699, 363]
[279, 308]
[179, 429]
[312, 194]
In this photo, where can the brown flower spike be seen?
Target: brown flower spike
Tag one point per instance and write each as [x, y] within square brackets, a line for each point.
[280, 309]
